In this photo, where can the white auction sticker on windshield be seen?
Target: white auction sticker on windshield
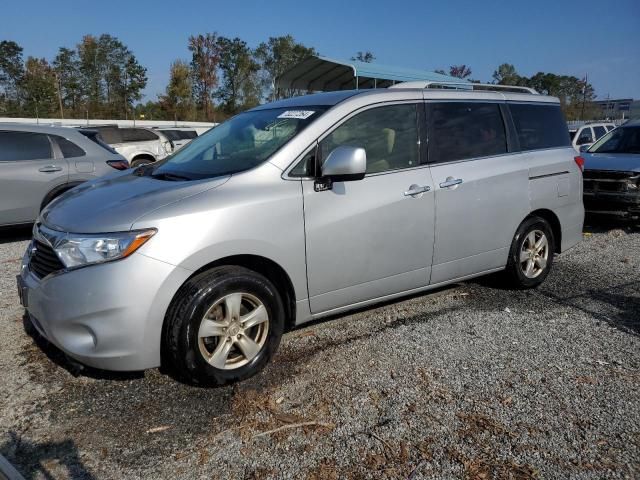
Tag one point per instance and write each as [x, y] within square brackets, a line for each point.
[299, 114]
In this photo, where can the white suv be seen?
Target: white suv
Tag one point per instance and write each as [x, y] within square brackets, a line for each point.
[586, 135]
[137, 145]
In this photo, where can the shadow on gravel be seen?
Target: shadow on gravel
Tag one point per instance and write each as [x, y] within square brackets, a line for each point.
[14, 234]
[625, 314]
[618, 304]
[603, 224]
[38, 460]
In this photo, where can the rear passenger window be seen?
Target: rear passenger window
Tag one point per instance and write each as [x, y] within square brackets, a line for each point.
[539, 126]
[461, 130]
[388, 134]
[24, 146]
[599, 131]
[110, 135]
[137, 135]
[68, 148]
[586, 136]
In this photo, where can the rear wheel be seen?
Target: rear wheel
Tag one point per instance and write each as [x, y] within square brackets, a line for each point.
[531, 253]
[223, 326]
[138, 161]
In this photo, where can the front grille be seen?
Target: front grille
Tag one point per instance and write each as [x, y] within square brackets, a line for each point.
[608, 181]
[44, 260]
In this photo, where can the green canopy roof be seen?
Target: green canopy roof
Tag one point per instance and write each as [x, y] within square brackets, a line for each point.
[327, 74]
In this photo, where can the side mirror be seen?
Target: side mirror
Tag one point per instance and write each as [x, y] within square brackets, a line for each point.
[584, 148]
[345, 163]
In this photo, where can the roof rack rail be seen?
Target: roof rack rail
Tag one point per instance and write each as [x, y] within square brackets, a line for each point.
[466, 86]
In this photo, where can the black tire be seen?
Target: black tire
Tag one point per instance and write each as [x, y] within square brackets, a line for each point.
[181, 351]
[136, 162]
[515, 271]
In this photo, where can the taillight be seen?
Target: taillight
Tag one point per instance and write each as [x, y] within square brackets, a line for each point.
[580, 162]
[118, 164]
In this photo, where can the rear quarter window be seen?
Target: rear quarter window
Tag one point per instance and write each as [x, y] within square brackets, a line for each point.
[539, 126]
[68, 148]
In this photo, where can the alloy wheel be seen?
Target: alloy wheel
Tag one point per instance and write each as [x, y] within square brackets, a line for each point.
[233, 331]
[534, 254]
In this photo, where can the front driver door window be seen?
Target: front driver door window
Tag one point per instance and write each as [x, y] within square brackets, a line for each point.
[388, 134]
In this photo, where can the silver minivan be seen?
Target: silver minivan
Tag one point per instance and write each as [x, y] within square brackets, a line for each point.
[297, 210]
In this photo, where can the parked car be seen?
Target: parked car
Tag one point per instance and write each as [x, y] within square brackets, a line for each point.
[137, 145]
[297, 210]
[612, 173]
[39, 163]
[179, 137]
[583, 137]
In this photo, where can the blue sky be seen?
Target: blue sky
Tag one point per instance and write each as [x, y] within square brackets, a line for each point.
[591, 37]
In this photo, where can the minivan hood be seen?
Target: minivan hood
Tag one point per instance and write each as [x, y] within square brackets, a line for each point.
[624, 162]
[114, 203]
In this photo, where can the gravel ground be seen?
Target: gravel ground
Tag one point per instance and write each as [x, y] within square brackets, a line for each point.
[473, 381]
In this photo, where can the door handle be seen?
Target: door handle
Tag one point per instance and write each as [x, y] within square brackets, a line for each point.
[451, 182]
[416, 190]
[50, 169]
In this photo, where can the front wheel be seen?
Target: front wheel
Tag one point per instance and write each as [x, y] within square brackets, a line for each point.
[223, 326]
[531, 253]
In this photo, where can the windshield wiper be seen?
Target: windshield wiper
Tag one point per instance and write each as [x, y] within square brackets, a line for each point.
[173, 177]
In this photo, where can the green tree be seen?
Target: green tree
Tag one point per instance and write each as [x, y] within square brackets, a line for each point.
[366, 57]
[123, 77]
[150, 111]
[178, 100]
[276, 56]
[38, 88]
[11, 71]
[90, 74]
[506, 74]
[240, 87]
[66, 66]
[205, 57]
[111, 78]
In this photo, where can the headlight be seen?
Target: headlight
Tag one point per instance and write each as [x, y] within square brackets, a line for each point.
[78, 250]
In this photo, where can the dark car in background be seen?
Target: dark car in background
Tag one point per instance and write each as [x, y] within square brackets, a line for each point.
[39, 163]
[612, 173]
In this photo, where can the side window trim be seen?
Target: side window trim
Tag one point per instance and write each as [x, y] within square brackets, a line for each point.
[55, 148]
[513, 142]
[423, 134]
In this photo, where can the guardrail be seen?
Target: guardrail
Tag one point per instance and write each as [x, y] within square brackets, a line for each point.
[82, 122]
[579, 123]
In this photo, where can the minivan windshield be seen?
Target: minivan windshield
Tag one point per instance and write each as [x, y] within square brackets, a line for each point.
[620, 140]
[238, 144]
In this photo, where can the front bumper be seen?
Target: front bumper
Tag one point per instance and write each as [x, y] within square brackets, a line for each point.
[107, 316]
[624, 205]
